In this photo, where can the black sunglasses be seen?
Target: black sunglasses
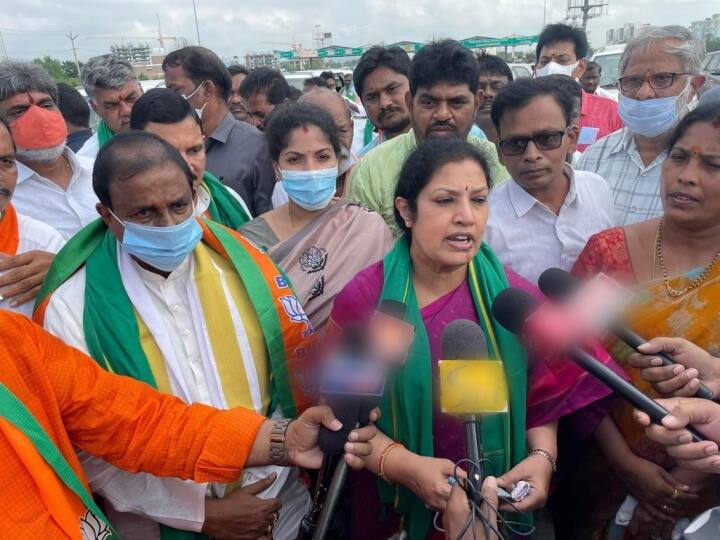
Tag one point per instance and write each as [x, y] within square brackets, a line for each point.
[550, 140]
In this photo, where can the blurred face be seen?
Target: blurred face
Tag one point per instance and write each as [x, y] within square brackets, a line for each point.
[308, 149]
[649, 61]
[448, 224]
[691, 178]
[535, 169]
[8, 168]
[235, 102]
[563, 53]
[259, 108]
[187, 138]
[590, 80]
[340, 112]
[444, 110]
[158, 197]
[385, 94]
[331, 84]
[114, 105]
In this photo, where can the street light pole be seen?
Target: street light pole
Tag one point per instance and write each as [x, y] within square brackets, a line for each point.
[197, 28]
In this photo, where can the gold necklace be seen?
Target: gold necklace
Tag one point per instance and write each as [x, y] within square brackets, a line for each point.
[695, 283]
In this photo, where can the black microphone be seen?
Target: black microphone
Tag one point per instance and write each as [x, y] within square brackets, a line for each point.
[465, 340]
[512, 307]
[559, 285]
[352, 408]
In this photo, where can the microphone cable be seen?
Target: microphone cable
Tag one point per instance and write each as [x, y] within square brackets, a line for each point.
[476, 513]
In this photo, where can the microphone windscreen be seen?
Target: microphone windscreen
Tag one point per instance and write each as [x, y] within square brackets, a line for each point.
[463, 340]
[512, 307]
[557, 284]
[394, 308]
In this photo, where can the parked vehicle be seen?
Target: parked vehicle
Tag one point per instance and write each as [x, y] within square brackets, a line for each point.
[609, 59]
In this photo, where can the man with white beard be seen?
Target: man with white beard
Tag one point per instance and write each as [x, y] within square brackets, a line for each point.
[53, 185]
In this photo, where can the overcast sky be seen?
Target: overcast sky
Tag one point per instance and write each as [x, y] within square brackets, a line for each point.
[33, 28]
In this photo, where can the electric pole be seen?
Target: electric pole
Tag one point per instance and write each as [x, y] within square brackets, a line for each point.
[584, 10]
[197, 28]
[72, 37]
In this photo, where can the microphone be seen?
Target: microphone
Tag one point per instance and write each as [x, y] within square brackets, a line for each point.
[352, 383]
[470, 385]
[559, 285]
[517, 311]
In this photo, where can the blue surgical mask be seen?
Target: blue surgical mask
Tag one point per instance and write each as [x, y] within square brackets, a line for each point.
[313, 190]
[164, 248]
[652, 117]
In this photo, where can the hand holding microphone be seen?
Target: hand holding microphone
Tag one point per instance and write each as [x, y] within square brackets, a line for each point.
[693, 366]
[672, 432]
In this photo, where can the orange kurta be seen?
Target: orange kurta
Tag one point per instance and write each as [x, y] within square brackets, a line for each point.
[116, 418]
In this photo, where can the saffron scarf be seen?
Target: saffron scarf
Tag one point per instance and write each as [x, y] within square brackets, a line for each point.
[68, 501]
[407, 408]
[9, 232]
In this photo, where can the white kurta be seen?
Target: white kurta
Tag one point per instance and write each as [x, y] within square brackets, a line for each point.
[33, 235]
[176, 503]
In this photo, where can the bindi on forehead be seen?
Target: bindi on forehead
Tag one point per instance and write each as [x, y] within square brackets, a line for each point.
[306, 129]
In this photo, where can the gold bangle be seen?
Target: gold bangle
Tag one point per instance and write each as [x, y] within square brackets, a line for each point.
[547, 455]
[381, 466]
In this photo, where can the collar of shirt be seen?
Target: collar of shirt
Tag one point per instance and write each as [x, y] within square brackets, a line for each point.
[626, 144]
[523, 202]
[25, 173]
[222, 132]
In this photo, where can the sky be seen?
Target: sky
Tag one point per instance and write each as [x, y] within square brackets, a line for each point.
[32, 28]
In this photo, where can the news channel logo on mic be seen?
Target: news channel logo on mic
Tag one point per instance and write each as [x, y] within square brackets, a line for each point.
[472, 387]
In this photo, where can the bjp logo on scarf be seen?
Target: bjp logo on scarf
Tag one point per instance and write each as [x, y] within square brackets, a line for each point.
[296, 314]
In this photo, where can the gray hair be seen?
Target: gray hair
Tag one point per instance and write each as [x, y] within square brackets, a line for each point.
[691, 51]
[20, 77]
[312, 98]
[106, 72]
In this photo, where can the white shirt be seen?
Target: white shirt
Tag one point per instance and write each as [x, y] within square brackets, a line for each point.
[90, 149]
[600, 91]
[203, 201]
[173, 502]
[67, 211]
[33, 235]
[529, 238]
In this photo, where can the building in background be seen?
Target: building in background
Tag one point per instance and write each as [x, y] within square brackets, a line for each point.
[709, 27]
[256, 60]
[617, 36]
[146, 62]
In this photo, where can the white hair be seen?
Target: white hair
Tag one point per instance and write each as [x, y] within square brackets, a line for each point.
[690, 51]
[107, 72]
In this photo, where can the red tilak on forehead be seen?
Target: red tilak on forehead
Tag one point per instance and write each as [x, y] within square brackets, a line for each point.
[716, 124]
[306, 129]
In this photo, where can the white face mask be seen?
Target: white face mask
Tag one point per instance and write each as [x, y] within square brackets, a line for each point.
[553, 68]
[199, 111]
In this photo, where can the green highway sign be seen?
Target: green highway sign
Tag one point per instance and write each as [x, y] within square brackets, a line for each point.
[499, 42]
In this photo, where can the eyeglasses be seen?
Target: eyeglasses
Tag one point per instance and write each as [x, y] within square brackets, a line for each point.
[658, 81]
[550, 140]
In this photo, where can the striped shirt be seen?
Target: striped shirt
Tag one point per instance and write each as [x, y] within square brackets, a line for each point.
[635, 187]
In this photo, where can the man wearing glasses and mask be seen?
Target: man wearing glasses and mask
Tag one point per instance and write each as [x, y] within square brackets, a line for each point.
[547, 208]
[660, 76]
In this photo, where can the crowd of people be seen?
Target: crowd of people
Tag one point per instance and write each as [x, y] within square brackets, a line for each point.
[205, 239]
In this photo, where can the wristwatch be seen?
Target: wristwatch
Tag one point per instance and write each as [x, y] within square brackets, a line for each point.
[278, 451]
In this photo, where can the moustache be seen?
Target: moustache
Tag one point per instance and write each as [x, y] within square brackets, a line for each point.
[389, 110]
